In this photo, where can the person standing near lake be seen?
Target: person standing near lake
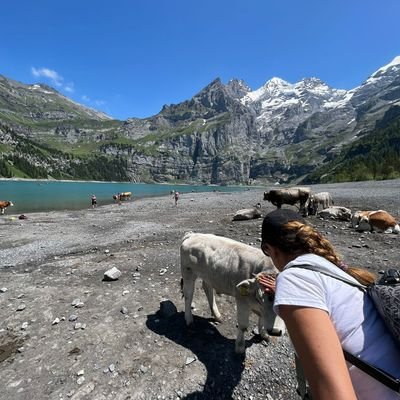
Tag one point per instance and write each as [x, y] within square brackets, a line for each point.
[176, 197]
[94, 201]
[324, 315]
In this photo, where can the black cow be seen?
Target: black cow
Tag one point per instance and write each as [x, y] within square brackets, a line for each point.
[290, 196]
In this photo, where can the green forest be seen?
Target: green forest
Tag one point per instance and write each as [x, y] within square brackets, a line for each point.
[375, 156]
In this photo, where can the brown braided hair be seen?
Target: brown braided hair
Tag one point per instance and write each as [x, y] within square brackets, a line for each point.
[298, 238]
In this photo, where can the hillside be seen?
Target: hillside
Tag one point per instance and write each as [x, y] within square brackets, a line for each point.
[376, 156]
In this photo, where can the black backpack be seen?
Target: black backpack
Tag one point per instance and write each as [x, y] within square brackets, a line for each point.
[385, 294]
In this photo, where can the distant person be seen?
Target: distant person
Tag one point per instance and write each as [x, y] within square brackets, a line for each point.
[94, 201]
[176, 198]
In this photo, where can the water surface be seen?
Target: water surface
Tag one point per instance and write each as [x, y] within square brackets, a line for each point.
[37, 196]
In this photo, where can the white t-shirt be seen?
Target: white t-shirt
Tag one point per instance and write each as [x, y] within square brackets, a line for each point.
[360, 329]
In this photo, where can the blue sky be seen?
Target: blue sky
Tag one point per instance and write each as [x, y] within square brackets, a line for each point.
[130, 57]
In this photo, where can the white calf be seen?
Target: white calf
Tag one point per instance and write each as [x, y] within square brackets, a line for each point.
[335, 212]
[228, 267]
[316, 199]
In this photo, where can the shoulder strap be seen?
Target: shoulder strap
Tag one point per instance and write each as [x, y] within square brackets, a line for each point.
[376, 373]
[328, 273]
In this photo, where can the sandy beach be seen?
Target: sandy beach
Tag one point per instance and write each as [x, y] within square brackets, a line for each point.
[65, 333]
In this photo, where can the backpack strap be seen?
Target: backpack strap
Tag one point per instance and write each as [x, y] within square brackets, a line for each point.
[328, 273]
[376, 373]
[380, 375]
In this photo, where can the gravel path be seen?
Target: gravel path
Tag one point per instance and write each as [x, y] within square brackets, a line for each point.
[115, 344]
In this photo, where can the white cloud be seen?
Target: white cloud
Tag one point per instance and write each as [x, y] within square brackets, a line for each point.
[69, 87]
[57, 80]
[54, 76]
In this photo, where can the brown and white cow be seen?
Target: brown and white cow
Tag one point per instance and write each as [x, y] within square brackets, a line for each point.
[290, 196]
[229, 267]
[379, 220]
[4, 204]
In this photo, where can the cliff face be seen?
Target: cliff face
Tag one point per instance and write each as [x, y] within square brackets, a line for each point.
[224, 134]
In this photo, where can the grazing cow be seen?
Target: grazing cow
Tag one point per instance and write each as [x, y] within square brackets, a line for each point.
[290, 196]
[380, 221]
[323, 198]
[4, 204]
[230, 268]
[248, 213]
[122, 196]
[335, 212]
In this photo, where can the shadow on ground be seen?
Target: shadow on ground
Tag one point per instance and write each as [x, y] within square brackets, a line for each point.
[216, 352]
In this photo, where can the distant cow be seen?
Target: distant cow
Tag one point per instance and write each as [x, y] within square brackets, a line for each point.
[4, 204]
[248, 213]
[290, 196]
[335, 212]
[323, 198]
[122, 196]
[380, 221]
[228, 267]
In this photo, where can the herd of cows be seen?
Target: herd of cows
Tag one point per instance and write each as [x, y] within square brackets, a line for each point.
[322, 205]
[229, 267]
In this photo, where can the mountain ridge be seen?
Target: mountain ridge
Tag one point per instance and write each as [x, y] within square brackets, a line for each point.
[226, 133]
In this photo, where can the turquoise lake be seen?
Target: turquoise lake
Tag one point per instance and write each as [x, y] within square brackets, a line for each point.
[37, 196]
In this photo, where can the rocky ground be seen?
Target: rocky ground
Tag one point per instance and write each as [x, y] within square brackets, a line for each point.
[66, 333]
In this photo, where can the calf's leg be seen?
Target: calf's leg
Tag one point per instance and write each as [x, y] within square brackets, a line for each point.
[188, 291]
[243, 312]
[209, 291]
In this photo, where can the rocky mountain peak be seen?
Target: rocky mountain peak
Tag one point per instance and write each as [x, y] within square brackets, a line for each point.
[275, 84]
[312, 83]
[238, 88]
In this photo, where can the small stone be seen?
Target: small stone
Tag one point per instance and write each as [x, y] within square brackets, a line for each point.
[21, 307]
[106, 251]
[77, 326]
[143, 369]
[111, 367]
[112, 274]
[189, 360]
[80, 372]
[80, 380]
[124, 310]
[125, 292]
[56, 321]
[72, 318]
[24, 326]
[3, 290]
[162, 271]
[75, 302]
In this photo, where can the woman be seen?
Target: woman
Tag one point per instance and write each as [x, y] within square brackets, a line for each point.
[324, 315]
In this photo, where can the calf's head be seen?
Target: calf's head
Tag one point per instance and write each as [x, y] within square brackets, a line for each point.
[262, 303]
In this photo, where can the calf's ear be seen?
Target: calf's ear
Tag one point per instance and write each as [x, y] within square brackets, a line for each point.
[244, 287]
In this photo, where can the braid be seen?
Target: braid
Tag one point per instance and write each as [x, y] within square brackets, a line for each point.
[300, 238]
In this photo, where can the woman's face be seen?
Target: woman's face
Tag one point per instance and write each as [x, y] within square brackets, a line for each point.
[278, 257]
